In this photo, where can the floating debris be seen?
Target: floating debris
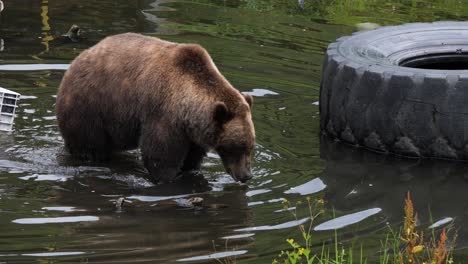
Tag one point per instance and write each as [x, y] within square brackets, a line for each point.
[74, 33]
[8, 103]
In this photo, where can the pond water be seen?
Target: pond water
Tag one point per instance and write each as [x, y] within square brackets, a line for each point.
[56, 210]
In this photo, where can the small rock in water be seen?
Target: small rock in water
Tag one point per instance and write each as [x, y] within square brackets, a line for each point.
[73, 34]
[196, 201]
[189, 203]
[119, 203]
[367, 26]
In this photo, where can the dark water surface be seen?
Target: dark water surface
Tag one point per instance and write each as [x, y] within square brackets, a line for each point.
[56, 210]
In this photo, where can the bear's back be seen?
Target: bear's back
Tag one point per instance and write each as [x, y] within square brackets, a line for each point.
[154, 75]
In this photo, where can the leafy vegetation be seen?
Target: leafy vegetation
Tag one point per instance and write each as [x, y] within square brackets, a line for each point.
[408, 246]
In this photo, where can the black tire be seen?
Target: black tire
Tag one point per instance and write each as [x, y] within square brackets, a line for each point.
[372, 94]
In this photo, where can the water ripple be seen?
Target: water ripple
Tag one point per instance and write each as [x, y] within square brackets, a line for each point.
[257, 192]
[47, 177]
[54, 254]
[218, 255]
[54, 220]
[33, 67]
[441, 222]
[313, 186]
[260, 92]
[347, 220]
[239, 236]
[66, 209]
[275, 227]
[143, 198]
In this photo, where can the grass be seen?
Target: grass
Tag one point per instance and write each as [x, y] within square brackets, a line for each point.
[407, 246]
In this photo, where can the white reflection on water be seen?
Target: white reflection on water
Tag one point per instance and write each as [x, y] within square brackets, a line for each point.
[47, 177]
[218, 255]
[260, 92]
[54, 220]
[441, 222]
[49, 117]
[347, 220]
[255, 203]
[33, 67]
[66, 209]
[131, 180]
[313, 186]
[29, 111]
[263, 202]
[23, 97]
[143, 198]
[257, 192]
[53, 254]
[285, 209]
[275, 227]
[239, 236]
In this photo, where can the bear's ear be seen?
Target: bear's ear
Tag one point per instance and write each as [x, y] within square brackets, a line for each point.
[221, 114]
[249, 99]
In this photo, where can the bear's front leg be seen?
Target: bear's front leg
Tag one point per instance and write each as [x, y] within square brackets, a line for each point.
[163, 151]
[194, 158]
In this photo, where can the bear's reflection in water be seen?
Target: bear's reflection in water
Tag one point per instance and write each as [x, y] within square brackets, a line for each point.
[148, 223]
[360, 179]
[156, 230]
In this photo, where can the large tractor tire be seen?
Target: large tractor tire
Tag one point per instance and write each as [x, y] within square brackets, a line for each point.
[399, 89]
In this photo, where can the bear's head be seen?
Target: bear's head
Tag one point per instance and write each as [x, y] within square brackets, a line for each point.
[237, 138]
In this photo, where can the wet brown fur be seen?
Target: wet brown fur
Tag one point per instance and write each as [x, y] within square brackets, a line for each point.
[169, 99]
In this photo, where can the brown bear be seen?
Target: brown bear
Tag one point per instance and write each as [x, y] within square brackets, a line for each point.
[168, 99]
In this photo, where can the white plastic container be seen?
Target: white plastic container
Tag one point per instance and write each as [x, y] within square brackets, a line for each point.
[8, 103]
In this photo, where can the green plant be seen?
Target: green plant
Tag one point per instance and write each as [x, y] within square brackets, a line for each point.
[299, 253]
[404, 247]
